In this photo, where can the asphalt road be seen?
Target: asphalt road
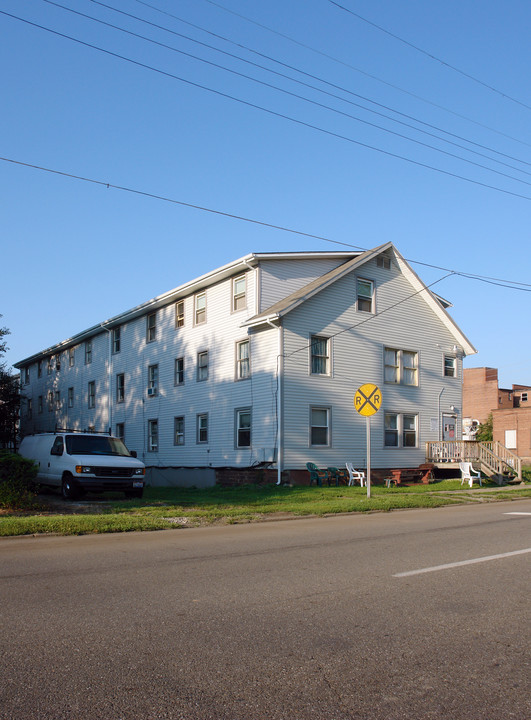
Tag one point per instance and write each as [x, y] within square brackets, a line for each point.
[294, 620]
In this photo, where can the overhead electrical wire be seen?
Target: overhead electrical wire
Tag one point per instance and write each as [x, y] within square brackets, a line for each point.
[348, 65]
[510, 284]
[431, 56]
[272, 112]
[299, 82]
[301, 97]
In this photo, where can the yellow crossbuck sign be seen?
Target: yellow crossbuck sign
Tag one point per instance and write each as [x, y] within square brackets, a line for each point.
[368, 399]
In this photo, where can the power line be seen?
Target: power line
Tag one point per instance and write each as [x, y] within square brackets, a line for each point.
[432, 57]
[269, 111]
[351, 67]
[510, 284]
[296, 95]
[299, 82]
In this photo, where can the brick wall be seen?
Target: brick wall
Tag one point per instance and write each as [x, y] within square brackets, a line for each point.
[480, 392]
[518, 419]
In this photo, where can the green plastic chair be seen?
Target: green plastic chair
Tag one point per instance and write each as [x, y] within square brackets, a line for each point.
[317, 476]
[337, 474]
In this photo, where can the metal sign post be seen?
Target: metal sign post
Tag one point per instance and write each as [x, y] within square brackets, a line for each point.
[367, 402]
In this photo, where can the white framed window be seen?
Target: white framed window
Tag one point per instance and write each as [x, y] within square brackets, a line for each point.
[202, 428]
[202, 366]
[179, 371]
[400, 366]
[153, 380]
[26, 375]
[319, 426]
[319, 355]
[178, 432]
[450, 366]
[243, 427]
[239, 297]
[120, 431]
[382, 261]
[120, 388]
[92, 394]
[200, 309]
[49, 364]
[243, 360]
[57, 399]
[400, 430]
[71, 357]
[365, 295]
[523, 397]
[116, 340]
[88, 352]
[151, 327]
[70, 397]
[179, 314]
[153, 436]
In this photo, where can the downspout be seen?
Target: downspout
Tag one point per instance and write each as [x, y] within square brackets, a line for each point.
[280, 370]
[439, 418]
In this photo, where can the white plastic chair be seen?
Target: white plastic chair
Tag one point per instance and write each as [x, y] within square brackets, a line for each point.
[355, 476]
[468, 473]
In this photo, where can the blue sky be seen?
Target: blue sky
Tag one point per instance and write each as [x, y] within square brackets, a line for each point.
[75, 253]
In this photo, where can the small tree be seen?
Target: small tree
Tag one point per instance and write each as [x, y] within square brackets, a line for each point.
[9, 399]
[484, 433]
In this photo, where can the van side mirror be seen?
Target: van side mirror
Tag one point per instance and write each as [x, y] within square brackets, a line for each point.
[56, 451]
[132, 453]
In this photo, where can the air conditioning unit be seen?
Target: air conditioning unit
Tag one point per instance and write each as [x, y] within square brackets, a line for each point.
[152, 391]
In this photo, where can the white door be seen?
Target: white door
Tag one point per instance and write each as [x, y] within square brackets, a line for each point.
[510, 439]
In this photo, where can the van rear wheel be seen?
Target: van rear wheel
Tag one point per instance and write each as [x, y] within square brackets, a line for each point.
[68, 489]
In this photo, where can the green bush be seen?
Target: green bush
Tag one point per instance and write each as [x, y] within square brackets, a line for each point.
[18, 483]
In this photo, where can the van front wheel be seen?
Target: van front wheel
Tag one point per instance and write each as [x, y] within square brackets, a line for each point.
[68, 489]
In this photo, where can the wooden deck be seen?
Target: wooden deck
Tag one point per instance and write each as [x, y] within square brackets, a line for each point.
[492, 458]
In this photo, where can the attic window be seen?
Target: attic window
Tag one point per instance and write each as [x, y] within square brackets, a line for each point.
[383, 262]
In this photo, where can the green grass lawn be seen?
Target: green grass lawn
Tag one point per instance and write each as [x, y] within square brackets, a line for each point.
[162, 508]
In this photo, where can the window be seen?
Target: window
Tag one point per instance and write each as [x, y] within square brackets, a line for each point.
[153, 435]
[400, 430]
[120, 431]
[239, 299]
[178, 436]
[39, 368]
[92, 394]
[30, 410]
[39, 404]
[383, 262]
[70, 395]
[50, 401]
[179, 314]
[319, 426]
[365, 295]
[243, 428]
[116, 340]
[202, 366]
[49, 366]
[202, 428]
[523, 397]
[450, 366]
[57, 400]
[243, 367]
[153, 380]
[71, 357]
[58, 363]
[120, 388]
[400, 367]
[320, 359]
[88, 352]
[179, 371]
[26, 376]
[151, 327]
[200, 308]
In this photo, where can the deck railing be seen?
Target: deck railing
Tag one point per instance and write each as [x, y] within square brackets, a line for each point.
[495, 458]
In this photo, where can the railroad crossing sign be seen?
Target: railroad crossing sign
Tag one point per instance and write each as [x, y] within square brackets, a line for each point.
[368, 399]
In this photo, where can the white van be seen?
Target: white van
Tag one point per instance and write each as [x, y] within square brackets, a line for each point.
[78, 462]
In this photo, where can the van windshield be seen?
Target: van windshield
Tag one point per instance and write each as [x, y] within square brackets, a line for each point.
[95, 445]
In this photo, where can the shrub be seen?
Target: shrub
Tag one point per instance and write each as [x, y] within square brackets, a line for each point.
[18, 483]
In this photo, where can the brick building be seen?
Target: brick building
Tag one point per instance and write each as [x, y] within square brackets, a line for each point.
[510, 408]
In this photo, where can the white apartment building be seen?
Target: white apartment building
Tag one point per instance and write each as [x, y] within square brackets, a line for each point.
[255, 365]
